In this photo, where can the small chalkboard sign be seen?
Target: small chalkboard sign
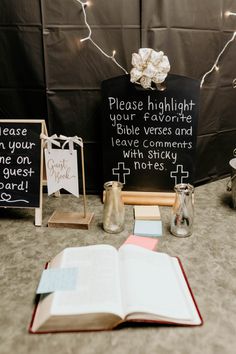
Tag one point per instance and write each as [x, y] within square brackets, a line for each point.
[149, 136]
[21, 156]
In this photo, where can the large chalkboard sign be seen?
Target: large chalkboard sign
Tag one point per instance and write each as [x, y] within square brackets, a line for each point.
[149, 136]
[21, 164]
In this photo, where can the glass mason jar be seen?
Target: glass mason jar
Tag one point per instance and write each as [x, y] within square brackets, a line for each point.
[232, 183]
[114, 210]
[182, 211]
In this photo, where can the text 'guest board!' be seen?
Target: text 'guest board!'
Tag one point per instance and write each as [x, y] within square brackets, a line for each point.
[21, 163]
[149, 136]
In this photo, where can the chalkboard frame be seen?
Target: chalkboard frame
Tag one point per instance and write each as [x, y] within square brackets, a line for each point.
[43, 129]
[122, 88]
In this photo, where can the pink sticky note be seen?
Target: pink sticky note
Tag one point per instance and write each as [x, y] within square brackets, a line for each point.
[146, 242]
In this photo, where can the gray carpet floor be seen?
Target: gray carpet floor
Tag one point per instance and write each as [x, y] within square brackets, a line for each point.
[208, 257]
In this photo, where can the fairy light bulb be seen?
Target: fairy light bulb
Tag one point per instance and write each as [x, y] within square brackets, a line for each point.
[229, 13]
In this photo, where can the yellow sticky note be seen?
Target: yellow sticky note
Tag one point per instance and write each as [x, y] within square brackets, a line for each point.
[147, 212]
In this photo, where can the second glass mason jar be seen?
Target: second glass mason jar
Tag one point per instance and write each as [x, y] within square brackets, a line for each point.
[182, 211]
[114, 210]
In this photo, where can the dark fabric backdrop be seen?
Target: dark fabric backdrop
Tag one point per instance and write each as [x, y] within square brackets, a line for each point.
[46, 72]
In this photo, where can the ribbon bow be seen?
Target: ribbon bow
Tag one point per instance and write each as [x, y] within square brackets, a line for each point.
[71, 140]
[49, 140]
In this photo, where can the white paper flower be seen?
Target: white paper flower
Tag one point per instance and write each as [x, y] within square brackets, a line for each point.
[149, 66]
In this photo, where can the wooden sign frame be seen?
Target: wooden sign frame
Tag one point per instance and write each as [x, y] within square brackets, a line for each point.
[38, 209]
[73, 220]
[149, 137]
[146, 198]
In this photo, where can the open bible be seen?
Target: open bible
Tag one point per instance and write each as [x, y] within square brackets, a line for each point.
[112, 287]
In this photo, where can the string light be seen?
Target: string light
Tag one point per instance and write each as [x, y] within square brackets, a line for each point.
[215, 65]
[89, 36]
[229, 13]
[112, 57]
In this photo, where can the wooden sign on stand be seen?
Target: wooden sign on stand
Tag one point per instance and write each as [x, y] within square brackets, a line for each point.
[21, 162]
[62, 172]
[149, 137]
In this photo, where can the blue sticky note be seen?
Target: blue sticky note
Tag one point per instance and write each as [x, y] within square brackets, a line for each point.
[151, 228]
[57, 279]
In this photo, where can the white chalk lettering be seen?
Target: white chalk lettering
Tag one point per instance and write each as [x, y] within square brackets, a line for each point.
[169, 105]
[119, 117]
[157, 130]
[163, 155]
[115, 103]
[23, 160]
[167, 144]
[167, 118]
[25, 145]
[25, 172]
[148, 165]
[123, 129]
[123, 142]
[13, 131]
[5, 160]
[184, 131]
[22, 186]
[133, 154]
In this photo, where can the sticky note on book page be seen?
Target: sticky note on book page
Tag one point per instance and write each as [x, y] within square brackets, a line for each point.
[152, 228]
[58, 279]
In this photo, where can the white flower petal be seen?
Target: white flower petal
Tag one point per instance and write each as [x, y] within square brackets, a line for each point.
[145, 53]
[159, 78]
[150, 71]
[135, 75]
[164, 64]
[156, 57]
[137, 61]
[145, 82]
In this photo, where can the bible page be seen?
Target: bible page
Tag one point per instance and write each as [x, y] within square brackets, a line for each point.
[150, 286]
[98, 283]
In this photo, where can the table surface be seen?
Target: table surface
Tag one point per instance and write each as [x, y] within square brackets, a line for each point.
[208, 257]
